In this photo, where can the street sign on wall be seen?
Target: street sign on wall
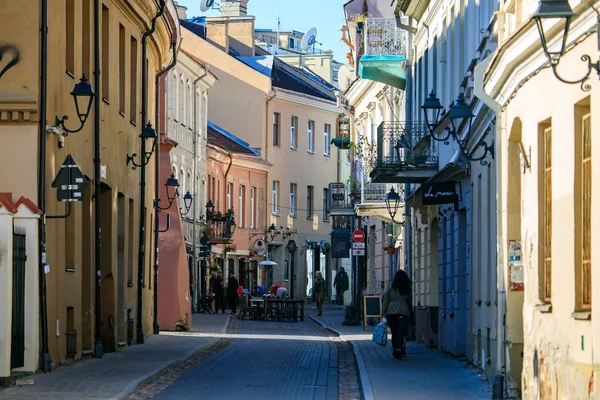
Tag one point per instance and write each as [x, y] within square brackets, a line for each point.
[358, 245]
[69, 181]
[358, 252]
[358, 235]
[439, 193]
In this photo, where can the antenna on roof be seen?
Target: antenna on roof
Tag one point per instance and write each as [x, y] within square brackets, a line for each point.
[206, 5]
[276, 46]
[309, 39]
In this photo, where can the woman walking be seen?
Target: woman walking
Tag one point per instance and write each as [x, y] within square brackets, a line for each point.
[397, 308]
[319, 289]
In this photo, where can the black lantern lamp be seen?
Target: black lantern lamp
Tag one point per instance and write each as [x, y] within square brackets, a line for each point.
[432, 108]
[187, 202]
[172, 189]
[147, 133]
[83, 96]
[392, 202]
[560, 9]
[271, 233]
[401, 143]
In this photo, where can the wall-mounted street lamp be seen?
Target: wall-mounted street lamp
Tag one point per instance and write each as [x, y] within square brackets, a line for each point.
[271, 233]
[147, 133]
[392, 203]
[460, 114]
[187, 203]
[83, 96]
[560, 9]
[172, 189]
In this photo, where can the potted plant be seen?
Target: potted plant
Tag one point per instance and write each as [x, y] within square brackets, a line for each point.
[390, 249]
[342, 143]
[252, 253]
[230, 247]
[230, 214]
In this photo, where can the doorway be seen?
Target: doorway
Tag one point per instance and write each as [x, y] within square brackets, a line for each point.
[17, 351]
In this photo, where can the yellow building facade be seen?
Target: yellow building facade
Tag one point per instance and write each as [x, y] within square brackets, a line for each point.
[69, 256]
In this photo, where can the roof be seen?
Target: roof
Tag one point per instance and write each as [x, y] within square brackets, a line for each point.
[220, 137]
[196, 25]
[13, 208]
[286, 76]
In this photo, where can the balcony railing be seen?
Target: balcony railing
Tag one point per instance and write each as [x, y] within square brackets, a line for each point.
[404, 153]
[220, 230]
[377, 192]
[339, 197]
[382, 37]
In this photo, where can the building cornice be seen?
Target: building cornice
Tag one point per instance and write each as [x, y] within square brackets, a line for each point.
[306, 100]
[18, 109]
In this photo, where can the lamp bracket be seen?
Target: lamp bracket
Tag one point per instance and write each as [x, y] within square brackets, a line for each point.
[60, 123]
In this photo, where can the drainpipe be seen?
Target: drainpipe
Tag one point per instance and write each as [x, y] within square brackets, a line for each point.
[156, 327]
[142, 227]
[45, 360]
[98, 346]
[195, 190]
[501, 379]
[408, 114]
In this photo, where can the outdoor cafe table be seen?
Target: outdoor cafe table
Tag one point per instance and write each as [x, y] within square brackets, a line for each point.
[280, 306]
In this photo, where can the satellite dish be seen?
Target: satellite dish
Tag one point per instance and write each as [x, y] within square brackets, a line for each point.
[309, 39]
[206, 5]
[260, 247]
[344, 77]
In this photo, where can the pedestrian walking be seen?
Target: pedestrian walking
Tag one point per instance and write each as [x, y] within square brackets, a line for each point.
[398, 311]
[341, 284]
[319, 289]
[232, 292]
[216, 285]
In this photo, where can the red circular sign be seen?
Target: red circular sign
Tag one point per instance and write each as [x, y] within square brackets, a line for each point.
[358, 235]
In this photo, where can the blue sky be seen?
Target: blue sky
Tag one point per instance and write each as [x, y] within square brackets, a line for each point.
[325, 15]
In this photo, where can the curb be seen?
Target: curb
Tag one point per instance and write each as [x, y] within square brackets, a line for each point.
[146, 378]
[365, 382]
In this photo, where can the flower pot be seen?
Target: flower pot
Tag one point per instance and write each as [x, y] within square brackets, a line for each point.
[391, 250]
[341, 143]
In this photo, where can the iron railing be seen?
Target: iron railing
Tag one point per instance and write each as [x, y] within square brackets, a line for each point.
[377, 192]
[382, 37]
[404, 145]
[220, 230]
[339, 196]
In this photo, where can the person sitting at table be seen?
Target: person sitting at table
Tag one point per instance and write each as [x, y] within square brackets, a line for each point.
[282, 292]
[275, 287]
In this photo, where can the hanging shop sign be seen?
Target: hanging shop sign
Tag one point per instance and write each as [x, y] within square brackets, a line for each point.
[439, 193]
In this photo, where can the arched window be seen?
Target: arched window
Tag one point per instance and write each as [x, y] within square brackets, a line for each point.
[189, 99]
[174, 99]
[181, 108]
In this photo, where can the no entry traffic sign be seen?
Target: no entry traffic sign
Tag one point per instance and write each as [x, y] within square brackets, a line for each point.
[358, 235]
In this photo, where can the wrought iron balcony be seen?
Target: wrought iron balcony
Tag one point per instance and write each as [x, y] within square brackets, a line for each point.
[382, 37]
[220, 230]
[377, 192]
[404, 154]
[339, 202]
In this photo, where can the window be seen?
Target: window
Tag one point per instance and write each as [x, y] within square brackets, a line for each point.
[309, 201]
[545, 216]
[293, 199]
[85, 38]
[105, 74]
[294, 133]
[241, 202]
[133, 80]
[252, 208]
[276, 132]
[325, 197]
[122, 69]
[583, 209]
[229, 193]
[275, 198]
[70, 37]
[311, 136]
[327, 139]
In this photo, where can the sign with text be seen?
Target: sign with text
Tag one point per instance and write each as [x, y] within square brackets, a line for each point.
[439, 193]
[358, 245]
[340, 247]
[358, 252]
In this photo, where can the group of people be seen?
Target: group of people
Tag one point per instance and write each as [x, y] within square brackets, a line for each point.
[222, 293]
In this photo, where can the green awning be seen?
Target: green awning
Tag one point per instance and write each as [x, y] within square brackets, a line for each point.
[385, 69]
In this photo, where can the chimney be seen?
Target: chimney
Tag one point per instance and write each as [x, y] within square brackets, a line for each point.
[234, 8]
[181, 11]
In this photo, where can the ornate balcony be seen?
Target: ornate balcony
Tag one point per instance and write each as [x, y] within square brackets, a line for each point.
[404, 154]
[220, 230]
[383, 37]
[339, 202]
[373, 200]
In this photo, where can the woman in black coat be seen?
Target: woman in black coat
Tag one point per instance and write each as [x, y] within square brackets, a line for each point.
[232, 292]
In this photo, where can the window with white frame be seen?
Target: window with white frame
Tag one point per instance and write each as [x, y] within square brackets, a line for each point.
[326, 139]
[294, 133]
[275, 198]
[293, 199]
[241, 201]
[252, 208]
[229, 193]
[311, 136]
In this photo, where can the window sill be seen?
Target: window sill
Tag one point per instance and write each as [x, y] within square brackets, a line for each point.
[310, 218]
[122, 114]
[69, 269]
[130, 284]
[327, 155]
[106, 101]
[310, 152]
[72, 75]
[293, 148]
[544, 308]
[582, 315]
[133, 123]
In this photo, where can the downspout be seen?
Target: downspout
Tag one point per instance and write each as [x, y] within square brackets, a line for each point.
[160, 73]
[45, 360]
[142, 227]
[479, 92]
[408, 113]
[195, 191]
[98, 346]
[271, 97]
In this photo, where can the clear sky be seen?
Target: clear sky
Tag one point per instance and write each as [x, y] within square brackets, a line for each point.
[325, 15]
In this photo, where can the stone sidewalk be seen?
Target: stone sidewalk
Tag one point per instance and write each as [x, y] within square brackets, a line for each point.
[118, 374]
[423, 374]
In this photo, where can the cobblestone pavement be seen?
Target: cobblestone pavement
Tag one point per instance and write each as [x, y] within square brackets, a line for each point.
[281, 360]
[423, 374]
[117, 374]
